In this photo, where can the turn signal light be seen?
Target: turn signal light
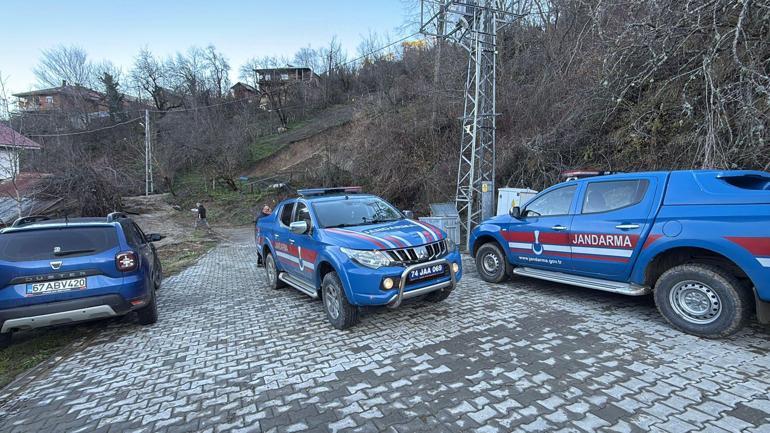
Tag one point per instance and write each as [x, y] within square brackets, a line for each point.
[126, 261]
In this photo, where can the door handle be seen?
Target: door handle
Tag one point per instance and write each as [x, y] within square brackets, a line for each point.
[559, 228]
[291, 241]
[627, 226]
[276, 235]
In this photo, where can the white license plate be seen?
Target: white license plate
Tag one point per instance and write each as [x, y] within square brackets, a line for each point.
[56, 286]
[427, 272]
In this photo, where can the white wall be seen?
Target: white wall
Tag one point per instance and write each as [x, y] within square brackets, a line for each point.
[9, 162]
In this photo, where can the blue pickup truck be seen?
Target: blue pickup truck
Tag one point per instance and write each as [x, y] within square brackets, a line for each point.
[698, 240]
[354, 250]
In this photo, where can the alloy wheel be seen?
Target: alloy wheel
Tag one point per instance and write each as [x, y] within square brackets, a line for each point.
[332, 300]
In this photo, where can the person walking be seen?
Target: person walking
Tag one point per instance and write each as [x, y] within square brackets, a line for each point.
[201, 219]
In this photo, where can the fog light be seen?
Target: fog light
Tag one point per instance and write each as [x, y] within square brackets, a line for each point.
[455, 268]
[387, 283]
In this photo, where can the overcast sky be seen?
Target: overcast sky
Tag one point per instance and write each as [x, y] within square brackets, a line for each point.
[116, 29]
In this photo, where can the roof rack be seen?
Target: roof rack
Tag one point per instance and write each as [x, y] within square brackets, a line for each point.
[112, 217]
[327, 191]
[23, 221]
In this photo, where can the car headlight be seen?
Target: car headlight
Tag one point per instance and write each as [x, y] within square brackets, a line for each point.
[370, 259]
[450, 245]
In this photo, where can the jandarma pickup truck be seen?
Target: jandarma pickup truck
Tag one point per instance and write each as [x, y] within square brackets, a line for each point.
[352, 250]
[698, 240]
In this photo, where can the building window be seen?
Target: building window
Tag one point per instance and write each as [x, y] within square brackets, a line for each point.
[284, 77]
[49, 100]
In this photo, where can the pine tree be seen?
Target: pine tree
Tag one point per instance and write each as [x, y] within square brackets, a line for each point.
[113, 96]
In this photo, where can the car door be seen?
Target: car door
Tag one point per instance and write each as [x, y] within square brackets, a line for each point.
[280, 237]
[150, 253]
[138, 242]
[611, 217]
[304, 246]
[539, 238]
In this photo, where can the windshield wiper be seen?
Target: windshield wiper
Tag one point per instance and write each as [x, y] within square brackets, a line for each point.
[384, 221]
[339, 226]
[71, 252]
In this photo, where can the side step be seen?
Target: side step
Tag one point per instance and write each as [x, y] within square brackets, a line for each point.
[298, 284]
[588, 282]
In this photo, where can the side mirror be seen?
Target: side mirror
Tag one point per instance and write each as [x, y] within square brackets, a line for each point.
[298, 227]
[515, 212]
[154, 237]
[408, 214]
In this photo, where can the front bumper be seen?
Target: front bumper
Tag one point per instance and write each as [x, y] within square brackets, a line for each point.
[396, 300]
[365, 284]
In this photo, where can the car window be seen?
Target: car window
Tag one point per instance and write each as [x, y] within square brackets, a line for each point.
[608, 196]
[286, 213]
[132, 237]
[302, 213]
[54, 243]
[552, 203]
[354, 211]
[140, 233]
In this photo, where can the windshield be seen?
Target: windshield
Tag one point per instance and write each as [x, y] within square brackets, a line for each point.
[49, 244]
[355, 212]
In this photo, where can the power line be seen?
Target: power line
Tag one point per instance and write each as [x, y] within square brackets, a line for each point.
[181, 110]
[86, 132]
[373, 51]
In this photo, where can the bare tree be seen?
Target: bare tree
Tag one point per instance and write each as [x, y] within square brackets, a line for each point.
[218, 70]
[64, 63]
[153, 79]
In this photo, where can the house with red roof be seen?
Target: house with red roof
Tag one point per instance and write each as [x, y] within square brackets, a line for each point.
[12, 145]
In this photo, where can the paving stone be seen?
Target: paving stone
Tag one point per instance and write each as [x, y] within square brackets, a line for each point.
[229, 354]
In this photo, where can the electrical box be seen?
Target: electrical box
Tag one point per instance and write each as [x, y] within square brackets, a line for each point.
[510, 197]
[445, 217]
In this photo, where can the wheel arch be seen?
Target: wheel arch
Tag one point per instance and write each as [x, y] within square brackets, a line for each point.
[680, 255]
[486, 238]
[323, 267]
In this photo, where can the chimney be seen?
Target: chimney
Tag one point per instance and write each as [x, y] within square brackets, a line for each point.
[64, 83]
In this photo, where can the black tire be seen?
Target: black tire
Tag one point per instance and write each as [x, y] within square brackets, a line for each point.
[148, 314]
[492, 264]
[439, 295]
[5, 340]
[703, 300]
[341, 314]
[273, 281]
[158, 276]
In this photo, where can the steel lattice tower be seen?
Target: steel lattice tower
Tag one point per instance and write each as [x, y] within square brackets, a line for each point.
[472, 24]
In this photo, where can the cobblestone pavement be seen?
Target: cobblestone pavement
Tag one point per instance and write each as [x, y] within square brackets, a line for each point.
[231, 355]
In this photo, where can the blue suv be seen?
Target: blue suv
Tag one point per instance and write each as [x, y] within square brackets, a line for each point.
[62, 271]
[354, 250]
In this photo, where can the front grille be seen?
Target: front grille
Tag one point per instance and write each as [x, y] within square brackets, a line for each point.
[410, 256]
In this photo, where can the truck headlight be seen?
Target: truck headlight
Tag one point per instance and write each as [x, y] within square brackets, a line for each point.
[370, 259]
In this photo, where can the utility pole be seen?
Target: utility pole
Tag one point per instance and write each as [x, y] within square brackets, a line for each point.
[473, 24]
[148, 185]
[328, 74]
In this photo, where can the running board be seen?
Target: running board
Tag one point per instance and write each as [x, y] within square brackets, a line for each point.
[630, 289]
[298, 284]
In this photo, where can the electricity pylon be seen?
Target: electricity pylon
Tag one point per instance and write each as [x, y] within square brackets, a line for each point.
[473, 24]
